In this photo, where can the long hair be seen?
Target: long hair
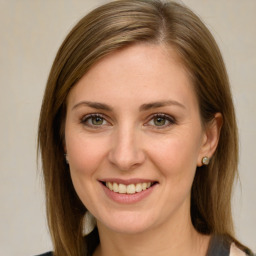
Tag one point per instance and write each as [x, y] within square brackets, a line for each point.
[110, 27]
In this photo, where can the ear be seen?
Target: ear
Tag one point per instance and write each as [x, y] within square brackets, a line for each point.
[210, 138]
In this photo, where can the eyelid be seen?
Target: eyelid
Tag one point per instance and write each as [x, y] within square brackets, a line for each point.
[86, 117]
[168, 117]
[171, 120]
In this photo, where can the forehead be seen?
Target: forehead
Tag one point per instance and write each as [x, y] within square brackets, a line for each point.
[143, 72]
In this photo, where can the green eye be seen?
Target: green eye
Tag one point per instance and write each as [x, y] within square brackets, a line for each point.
[159, 121]
[96, 120]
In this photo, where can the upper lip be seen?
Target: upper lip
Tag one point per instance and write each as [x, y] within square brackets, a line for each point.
[127, 181]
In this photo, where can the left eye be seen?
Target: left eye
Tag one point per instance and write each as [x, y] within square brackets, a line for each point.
[161, 121]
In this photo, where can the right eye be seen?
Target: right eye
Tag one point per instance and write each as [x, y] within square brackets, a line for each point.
[94, 120]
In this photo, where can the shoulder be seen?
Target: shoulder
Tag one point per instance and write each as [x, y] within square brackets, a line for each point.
[46, 254]
[223, 245]
[235, 251]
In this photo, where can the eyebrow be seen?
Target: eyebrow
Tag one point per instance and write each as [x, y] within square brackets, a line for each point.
[143, 107]
[96, 105]
[160, 104]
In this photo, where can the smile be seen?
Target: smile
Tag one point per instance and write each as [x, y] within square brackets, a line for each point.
[128, 189]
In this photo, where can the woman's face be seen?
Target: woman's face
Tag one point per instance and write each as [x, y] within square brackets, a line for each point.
[134, 139]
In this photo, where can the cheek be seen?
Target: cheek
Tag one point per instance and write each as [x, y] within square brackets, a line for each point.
[85, 154]
[85, 158]
[176, 155]
[176, 161]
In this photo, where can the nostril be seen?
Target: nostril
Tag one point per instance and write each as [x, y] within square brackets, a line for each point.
[126, 156]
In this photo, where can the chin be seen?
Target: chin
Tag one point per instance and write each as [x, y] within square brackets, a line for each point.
[128, 223]
[128, 229]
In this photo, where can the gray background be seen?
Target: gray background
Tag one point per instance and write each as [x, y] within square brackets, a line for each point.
[31, 32]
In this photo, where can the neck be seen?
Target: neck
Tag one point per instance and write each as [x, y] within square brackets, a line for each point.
[171, 239]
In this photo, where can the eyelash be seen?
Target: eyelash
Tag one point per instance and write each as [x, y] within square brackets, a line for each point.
[168, 118]
[165, 117]
[85, 120]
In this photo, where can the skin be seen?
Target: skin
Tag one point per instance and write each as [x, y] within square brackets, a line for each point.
[128, 142]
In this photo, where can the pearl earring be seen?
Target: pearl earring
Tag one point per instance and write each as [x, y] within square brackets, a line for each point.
[205, 160]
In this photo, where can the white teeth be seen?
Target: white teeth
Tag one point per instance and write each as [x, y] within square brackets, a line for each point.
[115, 187]
[122, 189]
[138, 187]
[110, 185]
[129, 189]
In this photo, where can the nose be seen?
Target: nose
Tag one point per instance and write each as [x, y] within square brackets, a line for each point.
[127, 151]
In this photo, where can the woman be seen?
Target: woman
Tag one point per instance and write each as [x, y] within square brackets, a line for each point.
[137, 128]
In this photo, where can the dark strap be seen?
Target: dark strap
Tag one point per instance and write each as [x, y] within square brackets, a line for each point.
[219, 246]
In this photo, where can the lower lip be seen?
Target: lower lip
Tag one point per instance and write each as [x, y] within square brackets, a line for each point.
[128, 198]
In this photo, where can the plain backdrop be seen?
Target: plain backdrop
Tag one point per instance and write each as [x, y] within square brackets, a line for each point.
[30, 33]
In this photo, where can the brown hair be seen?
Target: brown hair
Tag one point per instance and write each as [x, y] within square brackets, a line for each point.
[108, 28]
